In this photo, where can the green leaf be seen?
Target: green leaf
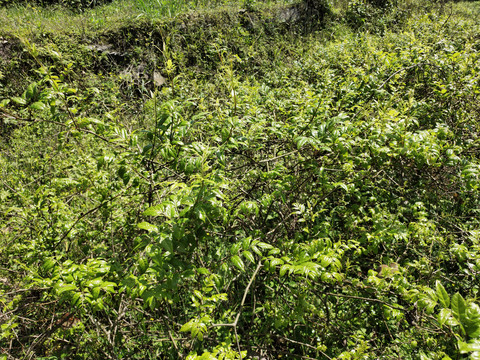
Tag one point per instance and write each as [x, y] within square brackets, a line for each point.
[95, 292]
[170, 211]
[147, 226]
[40, 106]
[167, 243]
[284, 269]
[94, 282]
[186, 327]
[65, 287]
[445, 317]
[48, 264]
[238, 262]
[156, 210]
[341, 185]
[200, 213]
[31, 92]
[99, 304]
[76, 299]
[109, 286]
[468, 347]
[19, 100]
[203, 271]
[248, 255]
[423, 356]
[442, 295]
[459, 307]
[151, 302]
[475, 355]
[263, 245]
[301, 141]
[235, 247]
[256, 250]
[326, 260]
[246, 243]
[123, 175]
[143, 265]
[275, 262]
[178, 231]
[472, 320]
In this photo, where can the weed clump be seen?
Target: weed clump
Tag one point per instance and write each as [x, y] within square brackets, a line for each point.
[375, 15]
[75, 5]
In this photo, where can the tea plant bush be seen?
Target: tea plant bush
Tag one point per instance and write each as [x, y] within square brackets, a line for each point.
[283, 194]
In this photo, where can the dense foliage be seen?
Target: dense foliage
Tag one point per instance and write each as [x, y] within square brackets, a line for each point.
[71, 4]
[236, 185]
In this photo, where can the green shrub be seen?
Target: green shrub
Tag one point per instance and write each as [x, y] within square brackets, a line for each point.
[279, 195]
[358, 13]
[377, 15]
[76, 5]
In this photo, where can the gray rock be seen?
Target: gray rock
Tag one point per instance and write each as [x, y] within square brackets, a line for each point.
[158, 79]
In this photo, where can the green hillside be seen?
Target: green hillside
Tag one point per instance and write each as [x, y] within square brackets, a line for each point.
[239, 180]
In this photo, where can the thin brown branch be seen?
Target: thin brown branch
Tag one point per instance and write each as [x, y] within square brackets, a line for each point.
[235, 323]
[366, 299]
[306, 345]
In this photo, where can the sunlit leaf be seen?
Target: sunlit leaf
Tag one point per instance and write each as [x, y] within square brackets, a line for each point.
[61, 288]
[442, 295]
[469, 347]
[238, 262]
[275, 262]
[154, 211]
[263, 245]
[284, 268]
[472, 320]
[147, 226]
[248, 255]
[187, 327]
[459, 307]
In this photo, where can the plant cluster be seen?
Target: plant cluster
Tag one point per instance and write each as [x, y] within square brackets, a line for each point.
[70, 4]
[277, 195]
[375, 15]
